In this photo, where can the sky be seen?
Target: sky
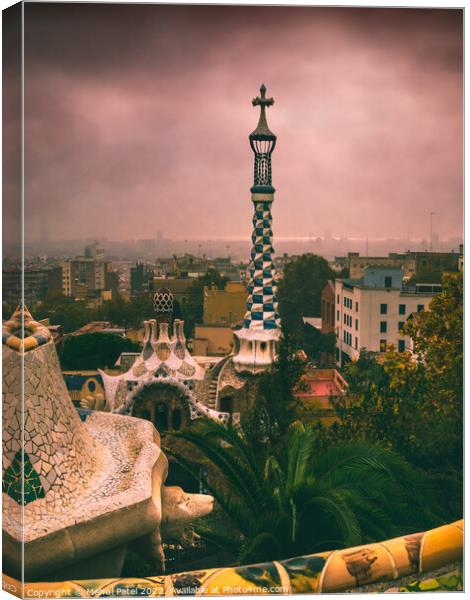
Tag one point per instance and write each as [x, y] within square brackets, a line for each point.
[137, 120]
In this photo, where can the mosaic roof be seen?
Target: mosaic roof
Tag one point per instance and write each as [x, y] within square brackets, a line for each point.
[76, 467]
[165, 359]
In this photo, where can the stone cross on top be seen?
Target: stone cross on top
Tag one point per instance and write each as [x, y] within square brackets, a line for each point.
[262, 102]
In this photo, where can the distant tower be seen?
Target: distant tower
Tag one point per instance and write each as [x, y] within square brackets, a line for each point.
[261, 326]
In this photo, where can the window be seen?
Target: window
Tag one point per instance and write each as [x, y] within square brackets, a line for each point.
[355, 343]
[383, 345]
[357, 324]
[337, 315]
[388, 282]
[401, 324]
[344, 319]
[383, 309]
[420, 307]
[401, 345]
[91, 385]
[161, 417]
[383, 326]
[337, 298]
[402, 309]
[357, 306]
[176, 419]
[226, 404]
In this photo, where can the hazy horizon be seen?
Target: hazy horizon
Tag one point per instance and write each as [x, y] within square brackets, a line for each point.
[137, 120]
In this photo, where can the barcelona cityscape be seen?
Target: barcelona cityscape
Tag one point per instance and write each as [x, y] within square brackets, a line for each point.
[233, 300]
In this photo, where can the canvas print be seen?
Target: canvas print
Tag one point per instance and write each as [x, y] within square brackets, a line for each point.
[232, 300]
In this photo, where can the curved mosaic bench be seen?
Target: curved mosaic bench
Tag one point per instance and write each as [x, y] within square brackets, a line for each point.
[12, 330]
[331, 571]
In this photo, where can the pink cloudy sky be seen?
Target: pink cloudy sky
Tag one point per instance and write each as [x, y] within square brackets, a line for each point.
[137, 120]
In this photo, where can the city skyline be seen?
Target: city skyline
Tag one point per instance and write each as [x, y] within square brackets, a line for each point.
[136, 128]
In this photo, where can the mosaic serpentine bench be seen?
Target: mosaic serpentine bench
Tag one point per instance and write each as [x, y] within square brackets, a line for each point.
[93, 481]
[331, 571]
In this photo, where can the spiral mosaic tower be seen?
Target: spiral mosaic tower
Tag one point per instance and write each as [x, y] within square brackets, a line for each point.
[261, 326]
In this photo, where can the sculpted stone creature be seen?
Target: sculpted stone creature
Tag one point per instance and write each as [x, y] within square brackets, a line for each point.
[179, 510]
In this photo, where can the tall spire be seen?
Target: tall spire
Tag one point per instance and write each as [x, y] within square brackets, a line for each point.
[261, 325]
[262, 142]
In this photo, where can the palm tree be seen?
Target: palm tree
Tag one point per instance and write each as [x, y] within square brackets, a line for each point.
[298, 501]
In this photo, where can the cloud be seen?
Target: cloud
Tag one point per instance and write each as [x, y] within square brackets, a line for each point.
[137, 119]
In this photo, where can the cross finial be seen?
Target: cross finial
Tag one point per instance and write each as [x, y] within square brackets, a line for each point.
[262, 101]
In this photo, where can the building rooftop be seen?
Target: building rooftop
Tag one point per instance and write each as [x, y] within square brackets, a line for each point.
[99, 327]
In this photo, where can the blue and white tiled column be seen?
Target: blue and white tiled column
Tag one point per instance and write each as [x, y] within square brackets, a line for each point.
[261, 302]
[261, 325]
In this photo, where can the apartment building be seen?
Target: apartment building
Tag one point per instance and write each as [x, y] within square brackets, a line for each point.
[422, 266]
[39, 282]
[370, 312]
[83, 275]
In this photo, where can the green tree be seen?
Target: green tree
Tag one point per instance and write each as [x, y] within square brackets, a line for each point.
[296, 500]
[437, 336]
[299, 296]
[414, 404]
[63, 310]
[94, 350]
[125, 313]
[275, 405]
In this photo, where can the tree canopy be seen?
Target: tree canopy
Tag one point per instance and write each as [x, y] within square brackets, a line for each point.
[299, 295]
[275, 405]
[414, 403]
[296, 501]
[94, 350]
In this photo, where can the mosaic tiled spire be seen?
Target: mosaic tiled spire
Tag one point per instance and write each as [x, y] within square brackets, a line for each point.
[261, 324]
[261, 304]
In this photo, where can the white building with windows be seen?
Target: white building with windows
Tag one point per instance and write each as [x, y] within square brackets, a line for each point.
[370, 312]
